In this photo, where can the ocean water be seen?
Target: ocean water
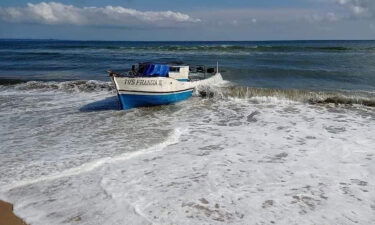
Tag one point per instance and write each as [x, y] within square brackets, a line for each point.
[285, 137]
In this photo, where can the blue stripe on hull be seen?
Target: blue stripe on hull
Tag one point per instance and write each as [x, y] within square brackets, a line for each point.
[129, 101]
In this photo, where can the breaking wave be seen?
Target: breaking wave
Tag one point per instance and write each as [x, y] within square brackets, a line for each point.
[305, 96]
[68, 86]
[214, 87]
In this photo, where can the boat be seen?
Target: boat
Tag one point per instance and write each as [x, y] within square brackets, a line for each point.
[152, 84]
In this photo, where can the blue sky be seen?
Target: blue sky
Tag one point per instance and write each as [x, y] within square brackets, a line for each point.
[188, 20]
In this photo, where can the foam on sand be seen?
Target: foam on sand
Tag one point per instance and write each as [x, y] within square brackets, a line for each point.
[7, 216]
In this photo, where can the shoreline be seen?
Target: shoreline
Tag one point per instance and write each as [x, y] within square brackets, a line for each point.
[7, 217]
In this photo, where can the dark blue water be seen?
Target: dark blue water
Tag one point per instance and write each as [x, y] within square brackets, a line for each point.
[315, 65]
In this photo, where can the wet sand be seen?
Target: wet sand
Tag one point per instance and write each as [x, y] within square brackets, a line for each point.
[7, 216]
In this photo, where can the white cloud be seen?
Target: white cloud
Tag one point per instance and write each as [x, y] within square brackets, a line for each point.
[57, 13]
[359, 8]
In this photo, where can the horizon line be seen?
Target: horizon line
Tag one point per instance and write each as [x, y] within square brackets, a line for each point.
[267, 40]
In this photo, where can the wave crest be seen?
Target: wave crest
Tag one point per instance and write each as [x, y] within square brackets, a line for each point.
[68, 86]
[216, 87]
[305, 96]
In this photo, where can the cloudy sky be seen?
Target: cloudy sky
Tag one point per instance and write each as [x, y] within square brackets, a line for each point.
[188, 19]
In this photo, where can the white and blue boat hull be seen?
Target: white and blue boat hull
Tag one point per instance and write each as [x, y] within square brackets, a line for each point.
[151, 91]
[140, 91]
[129, 99]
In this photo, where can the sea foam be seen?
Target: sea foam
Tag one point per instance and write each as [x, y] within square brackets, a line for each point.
[234, 162]
[214, 160]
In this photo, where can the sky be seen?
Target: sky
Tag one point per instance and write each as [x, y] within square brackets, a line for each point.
[188, 20]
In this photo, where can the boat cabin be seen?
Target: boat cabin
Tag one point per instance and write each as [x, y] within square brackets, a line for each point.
[175, 71]
[178, 72]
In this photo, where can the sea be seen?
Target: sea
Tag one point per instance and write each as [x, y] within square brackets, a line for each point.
[285, 136]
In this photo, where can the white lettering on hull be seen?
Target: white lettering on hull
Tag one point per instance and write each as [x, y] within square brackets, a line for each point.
[141, 82]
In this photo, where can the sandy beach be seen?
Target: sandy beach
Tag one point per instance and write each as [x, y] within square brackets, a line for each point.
[7, 216]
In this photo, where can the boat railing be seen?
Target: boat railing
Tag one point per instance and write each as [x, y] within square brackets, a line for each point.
[195, 72]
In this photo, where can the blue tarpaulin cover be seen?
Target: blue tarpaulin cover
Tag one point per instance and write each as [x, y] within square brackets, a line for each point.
[156, 70]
